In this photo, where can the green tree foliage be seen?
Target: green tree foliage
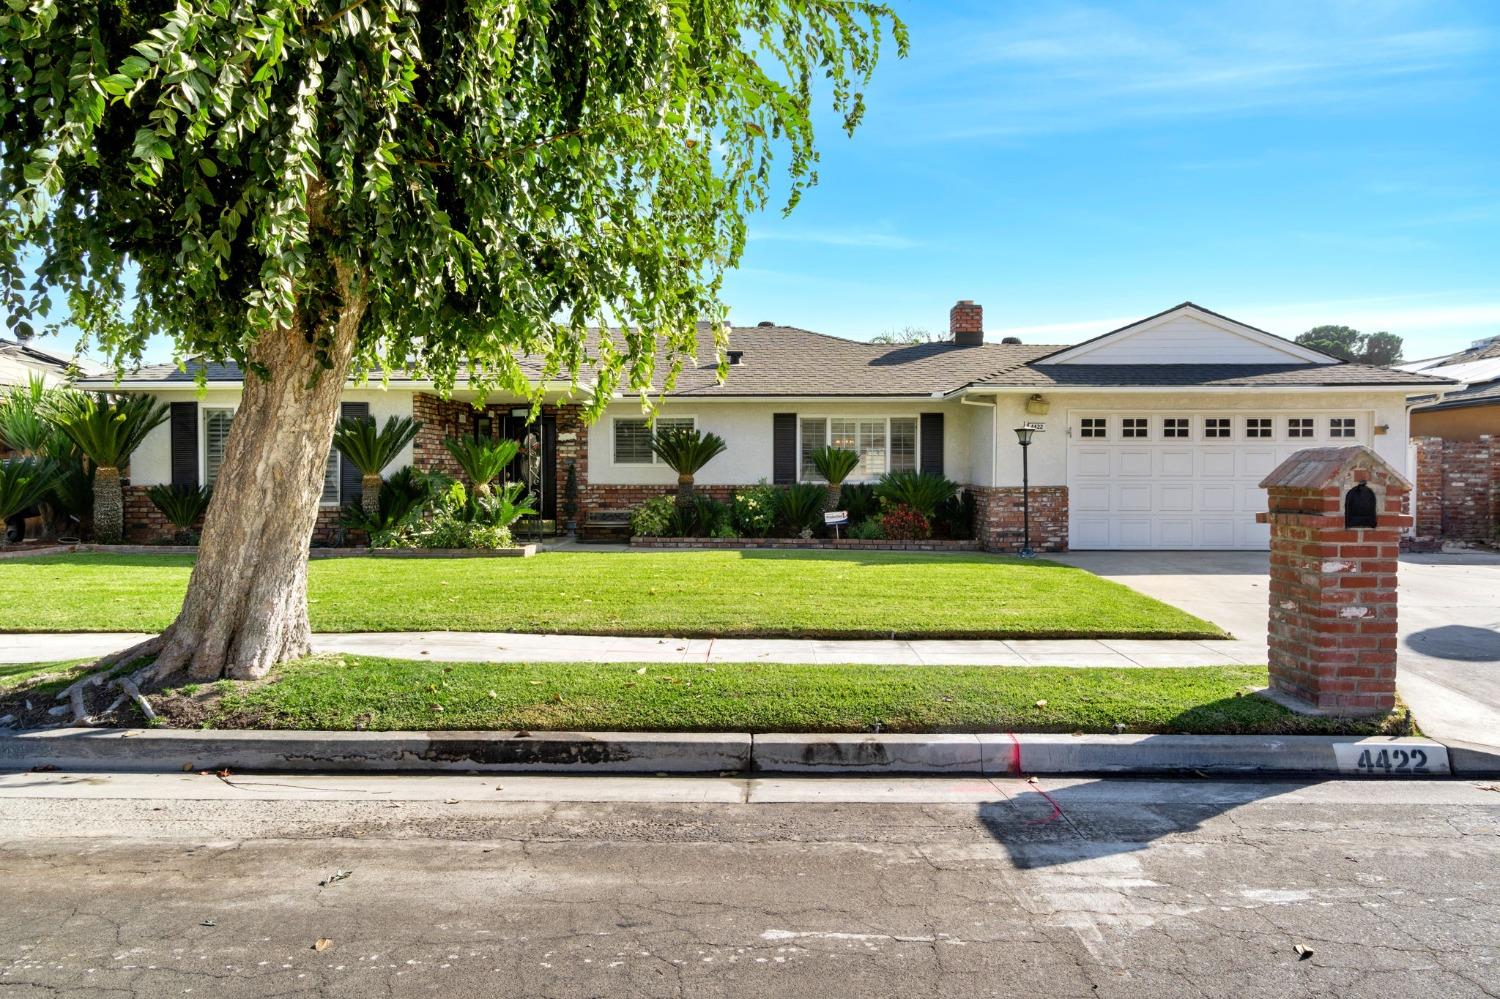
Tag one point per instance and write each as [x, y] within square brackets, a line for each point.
[312, 188]
[835, 464]
[685, 450]
[1350, 344]
[24, 482]
[907, 335]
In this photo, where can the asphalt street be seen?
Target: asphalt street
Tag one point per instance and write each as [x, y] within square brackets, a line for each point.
[186, 884]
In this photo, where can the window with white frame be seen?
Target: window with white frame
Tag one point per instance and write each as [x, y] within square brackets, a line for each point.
[1341, 426]
[1135, 427]
[1176, 427]
[1257, 426]
[633, 437]
[1095, 427]
[216, 435]
[1298, 427]
[1216, 427]
[814, 438]
[884, 444]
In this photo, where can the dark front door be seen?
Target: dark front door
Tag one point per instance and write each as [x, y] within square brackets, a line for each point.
[514, 427]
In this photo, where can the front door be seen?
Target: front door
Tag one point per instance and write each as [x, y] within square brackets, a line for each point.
[513, 425]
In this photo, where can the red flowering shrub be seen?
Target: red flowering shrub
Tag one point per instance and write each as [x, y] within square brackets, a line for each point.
[902, 523]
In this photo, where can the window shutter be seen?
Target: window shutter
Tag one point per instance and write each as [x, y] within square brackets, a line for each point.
[184, 424]
[351, 488]
[932, 443]
[783, 448]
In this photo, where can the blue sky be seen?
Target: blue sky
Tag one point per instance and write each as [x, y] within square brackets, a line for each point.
[1074, 166]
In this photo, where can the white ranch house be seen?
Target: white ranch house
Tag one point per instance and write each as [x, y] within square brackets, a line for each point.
[1151, 436]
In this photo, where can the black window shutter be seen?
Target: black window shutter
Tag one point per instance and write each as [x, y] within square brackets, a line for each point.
[932, 443]
[351, 486]
[783, 448]
[184, 424]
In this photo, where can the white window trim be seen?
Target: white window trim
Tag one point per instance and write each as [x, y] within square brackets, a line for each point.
[828, 435]
[655, 461]
[203, 411]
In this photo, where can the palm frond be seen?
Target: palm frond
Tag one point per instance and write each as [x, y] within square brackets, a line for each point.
[801, 506]
[370, 448]
[24, 482]
[922, 491]
[835, 464]
[108, 428]
[482, 461]
[686, 449]
[183, 506]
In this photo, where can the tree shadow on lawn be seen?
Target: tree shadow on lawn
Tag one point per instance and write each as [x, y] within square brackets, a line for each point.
[877, 556]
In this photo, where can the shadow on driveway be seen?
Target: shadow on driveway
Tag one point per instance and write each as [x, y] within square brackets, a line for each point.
[1460, 642]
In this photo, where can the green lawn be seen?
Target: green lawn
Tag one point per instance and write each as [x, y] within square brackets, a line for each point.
[684, 594]
[16, 674]
[347, 692]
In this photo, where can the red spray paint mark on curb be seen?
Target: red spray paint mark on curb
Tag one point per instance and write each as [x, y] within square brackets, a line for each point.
[1015, 768]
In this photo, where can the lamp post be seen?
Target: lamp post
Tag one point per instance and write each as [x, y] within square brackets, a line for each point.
[1023, 435]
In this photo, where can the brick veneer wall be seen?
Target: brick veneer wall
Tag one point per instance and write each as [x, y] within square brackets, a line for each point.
[144, 523]
[998, 521]
[1458, 488]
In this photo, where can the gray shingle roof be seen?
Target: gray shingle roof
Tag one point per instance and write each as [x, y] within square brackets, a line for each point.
[788, 361]
[1480, 394]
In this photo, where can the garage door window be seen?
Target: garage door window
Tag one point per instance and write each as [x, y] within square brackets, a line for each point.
[1341, 426]
[1096, 427]
[1258, 426]
[1176, 427]
[1216, 427]
[1299, 427]
[1134, 427]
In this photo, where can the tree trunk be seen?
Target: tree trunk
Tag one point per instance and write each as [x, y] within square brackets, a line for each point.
[684, 490]
[369, 494]
[246, 604]
[109, 506]
[831, 500]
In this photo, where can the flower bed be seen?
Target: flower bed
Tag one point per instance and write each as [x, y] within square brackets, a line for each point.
[876, 545]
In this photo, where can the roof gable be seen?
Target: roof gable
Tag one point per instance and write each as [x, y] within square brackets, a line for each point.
[1187, 334]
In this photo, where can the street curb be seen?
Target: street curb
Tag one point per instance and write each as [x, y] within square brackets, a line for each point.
[164, 750]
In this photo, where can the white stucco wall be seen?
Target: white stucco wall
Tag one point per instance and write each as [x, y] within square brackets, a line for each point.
[746, 429]
[1048, 459]
[152, 462]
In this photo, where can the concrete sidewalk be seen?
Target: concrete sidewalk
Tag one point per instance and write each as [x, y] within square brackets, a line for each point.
[482, 646]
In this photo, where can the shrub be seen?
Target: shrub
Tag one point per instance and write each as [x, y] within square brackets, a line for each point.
[482, 461]
[867, 530]
[183, 506]
[801, 508]
[904, 523]
[954, 517]
[705, 517]
[835, 464]
[922, 491]
[653, 518]
[859, 500]
[403, 498]
[753, 511]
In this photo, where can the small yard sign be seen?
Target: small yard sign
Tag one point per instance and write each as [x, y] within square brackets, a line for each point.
[833, 517]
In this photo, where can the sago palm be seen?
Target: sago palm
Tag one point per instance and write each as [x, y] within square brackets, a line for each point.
[482, 461]
[23, 418]
[685, 450]
[108, 429]
[835, 464]
[370, 449]
[24, 482]
[182, 505]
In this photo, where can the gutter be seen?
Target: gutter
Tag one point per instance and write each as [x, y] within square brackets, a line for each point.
[1408, 387]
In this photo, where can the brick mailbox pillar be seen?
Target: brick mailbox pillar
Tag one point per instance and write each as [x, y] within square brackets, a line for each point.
[1335, 517]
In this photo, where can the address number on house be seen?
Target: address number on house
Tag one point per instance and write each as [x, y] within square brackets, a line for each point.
[1400, 760]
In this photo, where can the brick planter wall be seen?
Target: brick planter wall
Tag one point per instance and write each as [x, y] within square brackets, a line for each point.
[144, 523]
[857, 545]
[998, 522]
[1458, 488]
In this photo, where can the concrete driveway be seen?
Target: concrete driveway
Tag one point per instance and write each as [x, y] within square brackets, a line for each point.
[1449, 670]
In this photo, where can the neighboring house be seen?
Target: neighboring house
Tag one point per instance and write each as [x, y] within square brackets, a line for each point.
[21, 360]
[1154, 435]
[1468, 412]
[1456, 440]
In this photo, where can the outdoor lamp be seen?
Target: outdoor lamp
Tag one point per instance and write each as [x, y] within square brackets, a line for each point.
[1023, 435]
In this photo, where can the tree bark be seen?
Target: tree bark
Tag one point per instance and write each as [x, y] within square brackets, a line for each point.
[369, 493]
[109, 506]
[684, 490]
[246, 604]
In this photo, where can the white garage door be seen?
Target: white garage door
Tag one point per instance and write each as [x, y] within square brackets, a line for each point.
[1179, 480]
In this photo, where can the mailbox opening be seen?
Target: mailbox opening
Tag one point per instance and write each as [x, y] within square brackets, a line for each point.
[1360, 506]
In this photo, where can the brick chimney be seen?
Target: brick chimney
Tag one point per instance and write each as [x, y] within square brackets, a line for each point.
[966, 323]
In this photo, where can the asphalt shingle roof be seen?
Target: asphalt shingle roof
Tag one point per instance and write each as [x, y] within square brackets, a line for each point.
[789, 361]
